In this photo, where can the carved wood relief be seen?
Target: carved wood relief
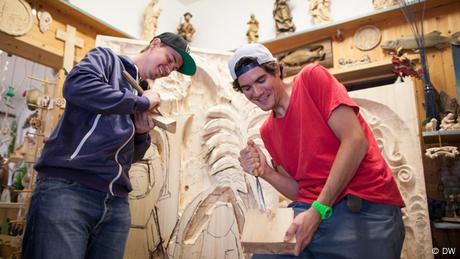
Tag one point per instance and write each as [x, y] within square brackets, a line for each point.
[215, 193]
[294, 60]
[15, 17]
[390, 113]
[148, 181]
[204, 193]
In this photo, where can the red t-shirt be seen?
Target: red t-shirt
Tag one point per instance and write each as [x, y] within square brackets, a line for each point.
[304, 144]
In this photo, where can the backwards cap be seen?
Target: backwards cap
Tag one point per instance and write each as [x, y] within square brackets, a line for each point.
[254, 50]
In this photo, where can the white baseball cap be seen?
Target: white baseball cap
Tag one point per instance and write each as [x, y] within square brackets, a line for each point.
[254, 50]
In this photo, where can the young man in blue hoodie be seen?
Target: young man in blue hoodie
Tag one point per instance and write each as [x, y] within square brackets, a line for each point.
[79, 208]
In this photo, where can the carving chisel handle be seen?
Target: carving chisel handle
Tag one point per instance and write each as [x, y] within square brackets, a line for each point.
[161, 121]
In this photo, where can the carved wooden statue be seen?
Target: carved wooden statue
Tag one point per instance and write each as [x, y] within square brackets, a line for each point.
[151, 15]
[449, 123]
[319, 11]
[432, 125]
[448, 105]
[383, 3]
[253, 30]
[282, 16]
[186, 29]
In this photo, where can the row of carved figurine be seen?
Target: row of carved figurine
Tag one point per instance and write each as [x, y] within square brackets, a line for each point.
[318, 10]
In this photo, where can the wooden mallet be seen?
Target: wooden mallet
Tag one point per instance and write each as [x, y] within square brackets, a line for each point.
[161, 121]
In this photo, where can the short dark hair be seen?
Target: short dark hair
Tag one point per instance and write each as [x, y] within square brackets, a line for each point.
[269, 67]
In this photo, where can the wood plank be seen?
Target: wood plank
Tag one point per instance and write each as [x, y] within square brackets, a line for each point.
[31, 50]
[264, 231]
[11, 205]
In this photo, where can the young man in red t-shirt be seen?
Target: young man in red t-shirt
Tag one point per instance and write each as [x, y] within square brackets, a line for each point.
[326, 159]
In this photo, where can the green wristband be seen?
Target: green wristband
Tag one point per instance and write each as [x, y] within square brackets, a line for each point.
[323, 210]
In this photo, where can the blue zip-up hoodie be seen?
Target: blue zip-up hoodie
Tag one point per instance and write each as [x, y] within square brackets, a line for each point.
[94, 142]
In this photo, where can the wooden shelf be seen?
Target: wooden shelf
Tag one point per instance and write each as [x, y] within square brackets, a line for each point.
[446, 225]
[447, 136]
[367, 72]
[364, 72]
[345, 75]
[452, 220]
[11, 205]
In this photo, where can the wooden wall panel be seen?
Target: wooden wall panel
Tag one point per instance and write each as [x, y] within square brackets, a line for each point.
[445, 19]
[44, 48]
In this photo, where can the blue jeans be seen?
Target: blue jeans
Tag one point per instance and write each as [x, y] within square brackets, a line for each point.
[68, 220]
[376, 231]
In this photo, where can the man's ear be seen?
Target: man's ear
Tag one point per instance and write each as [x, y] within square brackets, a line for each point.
[155, 43]
[278, 69]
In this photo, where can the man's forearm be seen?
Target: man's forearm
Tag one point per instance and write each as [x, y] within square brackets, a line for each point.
[347, 161]
[282, 182]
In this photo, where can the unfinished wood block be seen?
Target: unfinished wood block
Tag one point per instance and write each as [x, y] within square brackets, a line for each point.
[263, 231]
[161, 121]
[165, 123]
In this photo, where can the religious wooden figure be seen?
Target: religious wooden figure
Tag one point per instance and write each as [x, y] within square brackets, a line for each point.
[186, 29]
[319, 11]
[151, 15]
[70, 42]
[282, 16]
[378, 4]
[253, 29]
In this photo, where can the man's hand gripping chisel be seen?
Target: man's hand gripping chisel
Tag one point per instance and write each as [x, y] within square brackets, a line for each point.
[161, 121]
[260, 191]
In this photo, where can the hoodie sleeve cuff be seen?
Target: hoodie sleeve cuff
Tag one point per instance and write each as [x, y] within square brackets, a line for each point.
[140, 137]
[142, 104]
[141, 144]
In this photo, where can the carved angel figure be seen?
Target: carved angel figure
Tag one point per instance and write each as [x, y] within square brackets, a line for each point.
[319, 10]
[151, 15]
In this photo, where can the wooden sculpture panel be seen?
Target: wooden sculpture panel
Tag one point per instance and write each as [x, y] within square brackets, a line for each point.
[391, 114]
